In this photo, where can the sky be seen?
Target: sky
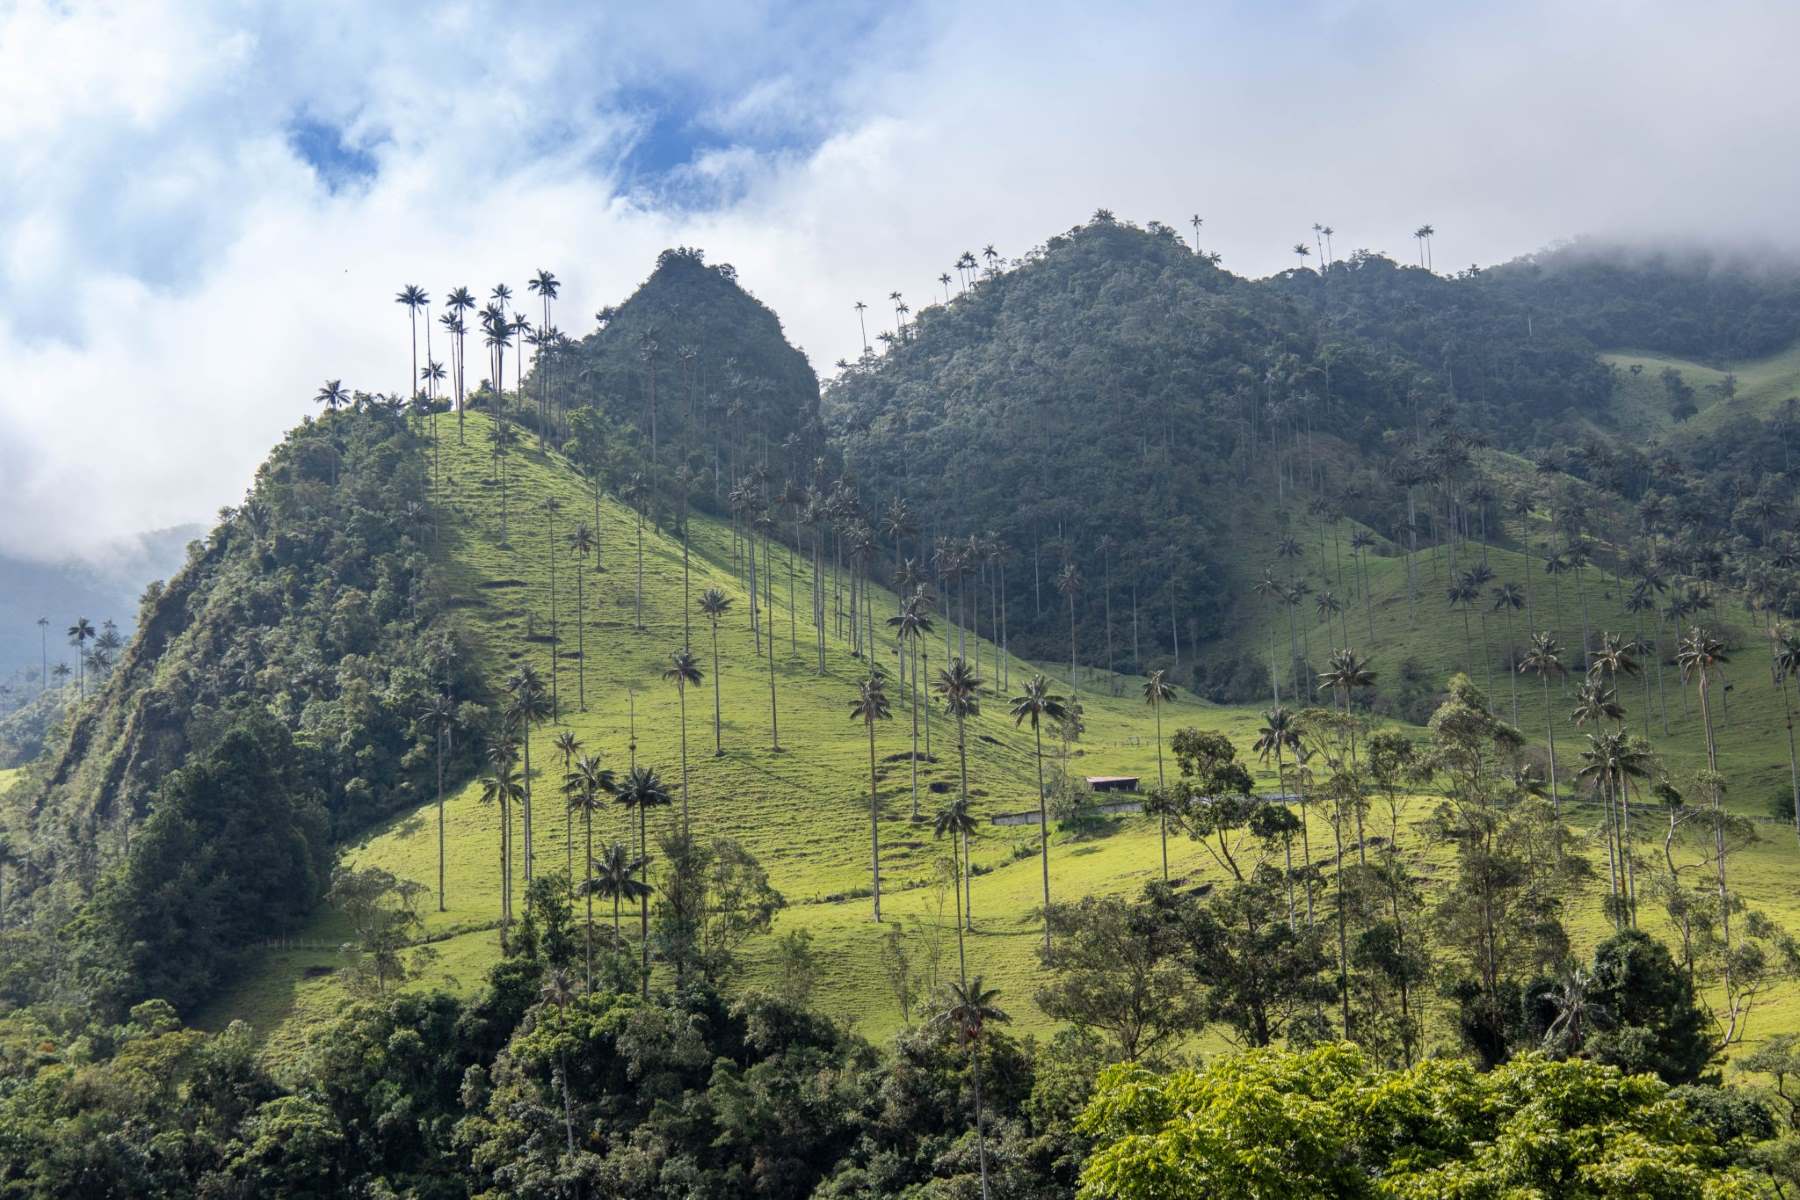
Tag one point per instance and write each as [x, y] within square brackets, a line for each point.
[207, 207]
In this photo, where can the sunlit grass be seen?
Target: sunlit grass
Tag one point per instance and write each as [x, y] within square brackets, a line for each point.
[804, 811]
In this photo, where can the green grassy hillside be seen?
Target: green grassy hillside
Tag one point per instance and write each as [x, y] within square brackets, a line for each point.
[804, 812]
[1640, 403]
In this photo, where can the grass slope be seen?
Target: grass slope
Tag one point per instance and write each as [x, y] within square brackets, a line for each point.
[1640, 402]
[804, 811]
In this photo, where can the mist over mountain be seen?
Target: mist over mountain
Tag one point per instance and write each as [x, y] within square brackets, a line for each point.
[103, 588]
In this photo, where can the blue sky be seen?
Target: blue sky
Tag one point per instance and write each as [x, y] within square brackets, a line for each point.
[208, 205]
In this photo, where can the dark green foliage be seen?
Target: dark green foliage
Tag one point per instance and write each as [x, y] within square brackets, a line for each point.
[1683, 301]
[234, 851]
[729, 390]
[1653, 1022]
[312, 603]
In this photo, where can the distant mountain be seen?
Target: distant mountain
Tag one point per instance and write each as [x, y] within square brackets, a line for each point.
[107, 590]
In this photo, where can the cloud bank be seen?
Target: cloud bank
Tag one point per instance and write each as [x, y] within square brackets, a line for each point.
[209, 207]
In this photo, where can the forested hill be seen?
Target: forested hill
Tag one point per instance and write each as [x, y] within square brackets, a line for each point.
[270, 701]
[1115, 402]
[698, 370]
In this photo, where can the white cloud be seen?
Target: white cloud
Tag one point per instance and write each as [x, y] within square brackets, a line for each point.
[174, 281]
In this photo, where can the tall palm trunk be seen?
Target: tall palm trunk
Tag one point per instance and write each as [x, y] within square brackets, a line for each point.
[681, 692]
[718, 743]
[1044, 833]
[1162, 818]
[956, 873]
[587, 884]
[874, 824]
[644, 901]
[774, 720]
[962, 755]
[530, 846]
[580, 641]
[980, 1131]
[1787, 710]
[915, 727]
[1550, 735]
[440, 806]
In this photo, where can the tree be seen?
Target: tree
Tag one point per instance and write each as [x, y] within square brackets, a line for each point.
[1787, 666]
[440, 714]
[1069, 583]
[1281, 1125]
[1258, 977]
[581, 544]
[502, 788]
[1158, 692]
[642, 790]
[414, 298]
[1544, 659]
[332, 395]
[586, 783]
[960, 690]
[567, 746]
[615, 876]
[1509, 599]
[527, 704]
[971, 1008]
[912, 625]
[79, 635]
[1119, 972]
[1701, 657]
[955, 820]
[714, 603]
[682, 670]
[1039, 704]
[870, 706]
[1653, 1022]
[1279, 734]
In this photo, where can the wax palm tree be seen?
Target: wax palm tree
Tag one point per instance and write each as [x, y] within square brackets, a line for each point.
[1787, 666]
[1271, 589]
[969, 1010]
[635, 492]
[1280, 733]
[1544, 659]
[1615, 659]
[615, 876]
[1328, 606]
[567, 746]
[1361, 542]
[1637, 603]
[1509, 599]
[1158, 691]
[527, 704]
[1462, 593]
[414, 298]
[440, 714]
[79, 635]
[1702, 658]
[1039, 704]
[862, 325]
[641, 790]
[955, 821]
[682, 671]
[960, 690]
[502, 788]
[870, 706]
[1069, 583]
[714, 604]
[911, 626]
[332, 395]
[587, 784]
[581, 544]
